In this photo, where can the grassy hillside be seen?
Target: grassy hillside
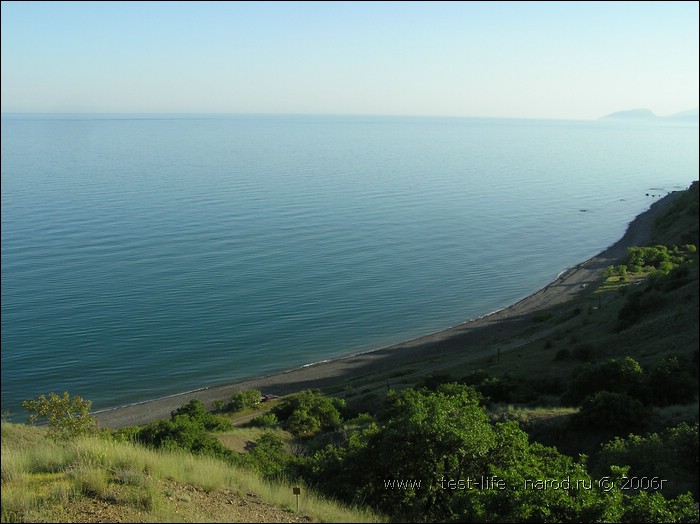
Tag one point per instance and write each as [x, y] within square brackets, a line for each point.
[98, 479]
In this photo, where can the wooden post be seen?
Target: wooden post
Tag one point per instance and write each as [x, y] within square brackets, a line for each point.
[297, 491]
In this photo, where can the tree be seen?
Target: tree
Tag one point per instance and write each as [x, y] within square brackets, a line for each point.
[301, 423]
[622, 270]
[428, 436]
[189, 428]
[671, 454]
[196, 411]
[672, 381]
[435, 457]
[614, 413]
[615, 375]
[308, 412]
[244, 400]
[653, 507]
[67, 417]
[537, 484]
[268, 456]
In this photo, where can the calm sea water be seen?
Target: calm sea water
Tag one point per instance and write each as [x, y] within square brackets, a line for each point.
[145, 256]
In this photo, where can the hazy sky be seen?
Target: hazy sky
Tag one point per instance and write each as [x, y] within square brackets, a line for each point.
[570, 60]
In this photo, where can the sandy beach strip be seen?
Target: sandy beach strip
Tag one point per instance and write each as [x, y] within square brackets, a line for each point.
[452, 341]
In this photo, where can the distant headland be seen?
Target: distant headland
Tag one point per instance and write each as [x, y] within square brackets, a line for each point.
[646, 115]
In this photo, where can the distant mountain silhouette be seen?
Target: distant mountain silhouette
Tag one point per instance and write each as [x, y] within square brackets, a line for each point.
[687, 116]
[645, 115]
[630, 114]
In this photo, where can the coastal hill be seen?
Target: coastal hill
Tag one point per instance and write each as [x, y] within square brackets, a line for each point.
[631, 114]
[690, 115]
[646, 115]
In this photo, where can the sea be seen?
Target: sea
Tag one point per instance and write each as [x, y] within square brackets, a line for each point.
[147, 255]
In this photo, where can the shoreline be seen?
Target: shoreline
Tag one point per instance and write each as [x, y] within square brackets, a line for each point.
[454, 341]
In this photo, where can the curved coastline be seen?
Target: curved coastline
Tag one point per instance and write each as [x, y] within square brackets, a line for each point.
[453, 341]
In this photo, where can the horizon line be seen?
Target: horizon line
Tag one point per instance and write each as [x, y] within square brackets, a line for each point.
[359, 115]
[233, 113]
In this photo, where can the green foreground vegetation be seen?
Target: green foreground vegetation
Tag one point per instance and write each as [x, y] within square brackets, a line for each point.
[590, 416]
[101, 478]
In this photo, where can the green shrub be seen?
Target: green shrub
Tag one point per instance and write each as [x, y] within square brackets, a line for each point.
[187, 429]
[621, 376]
[653, 507]
[433, 381]
[244, 400]
[266, 419]
[307, 412]
[673, 381]
[671, 454]
[267, 455]
[195, 410]
[475, 377]
[562, 354]
[584, 352]
[542, 316]
[67, 417]
[301, 423]
[617, 413]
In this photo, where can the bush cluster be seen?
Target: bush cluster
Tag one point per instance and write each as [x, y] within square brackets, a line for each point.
[673, 380]
[308, 412]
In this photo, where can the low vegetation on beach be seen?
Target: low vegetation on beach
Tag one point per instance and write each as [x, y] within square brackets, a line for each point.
[590, 414]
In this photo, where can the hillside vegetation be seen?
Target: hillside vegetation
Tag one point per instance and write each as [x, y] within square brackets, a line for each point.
[590, 415]
[100, 478]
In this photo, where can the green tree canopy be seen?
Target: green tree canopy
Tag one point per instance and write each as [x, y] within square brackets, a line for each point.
[309, 411]
[67, 416]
